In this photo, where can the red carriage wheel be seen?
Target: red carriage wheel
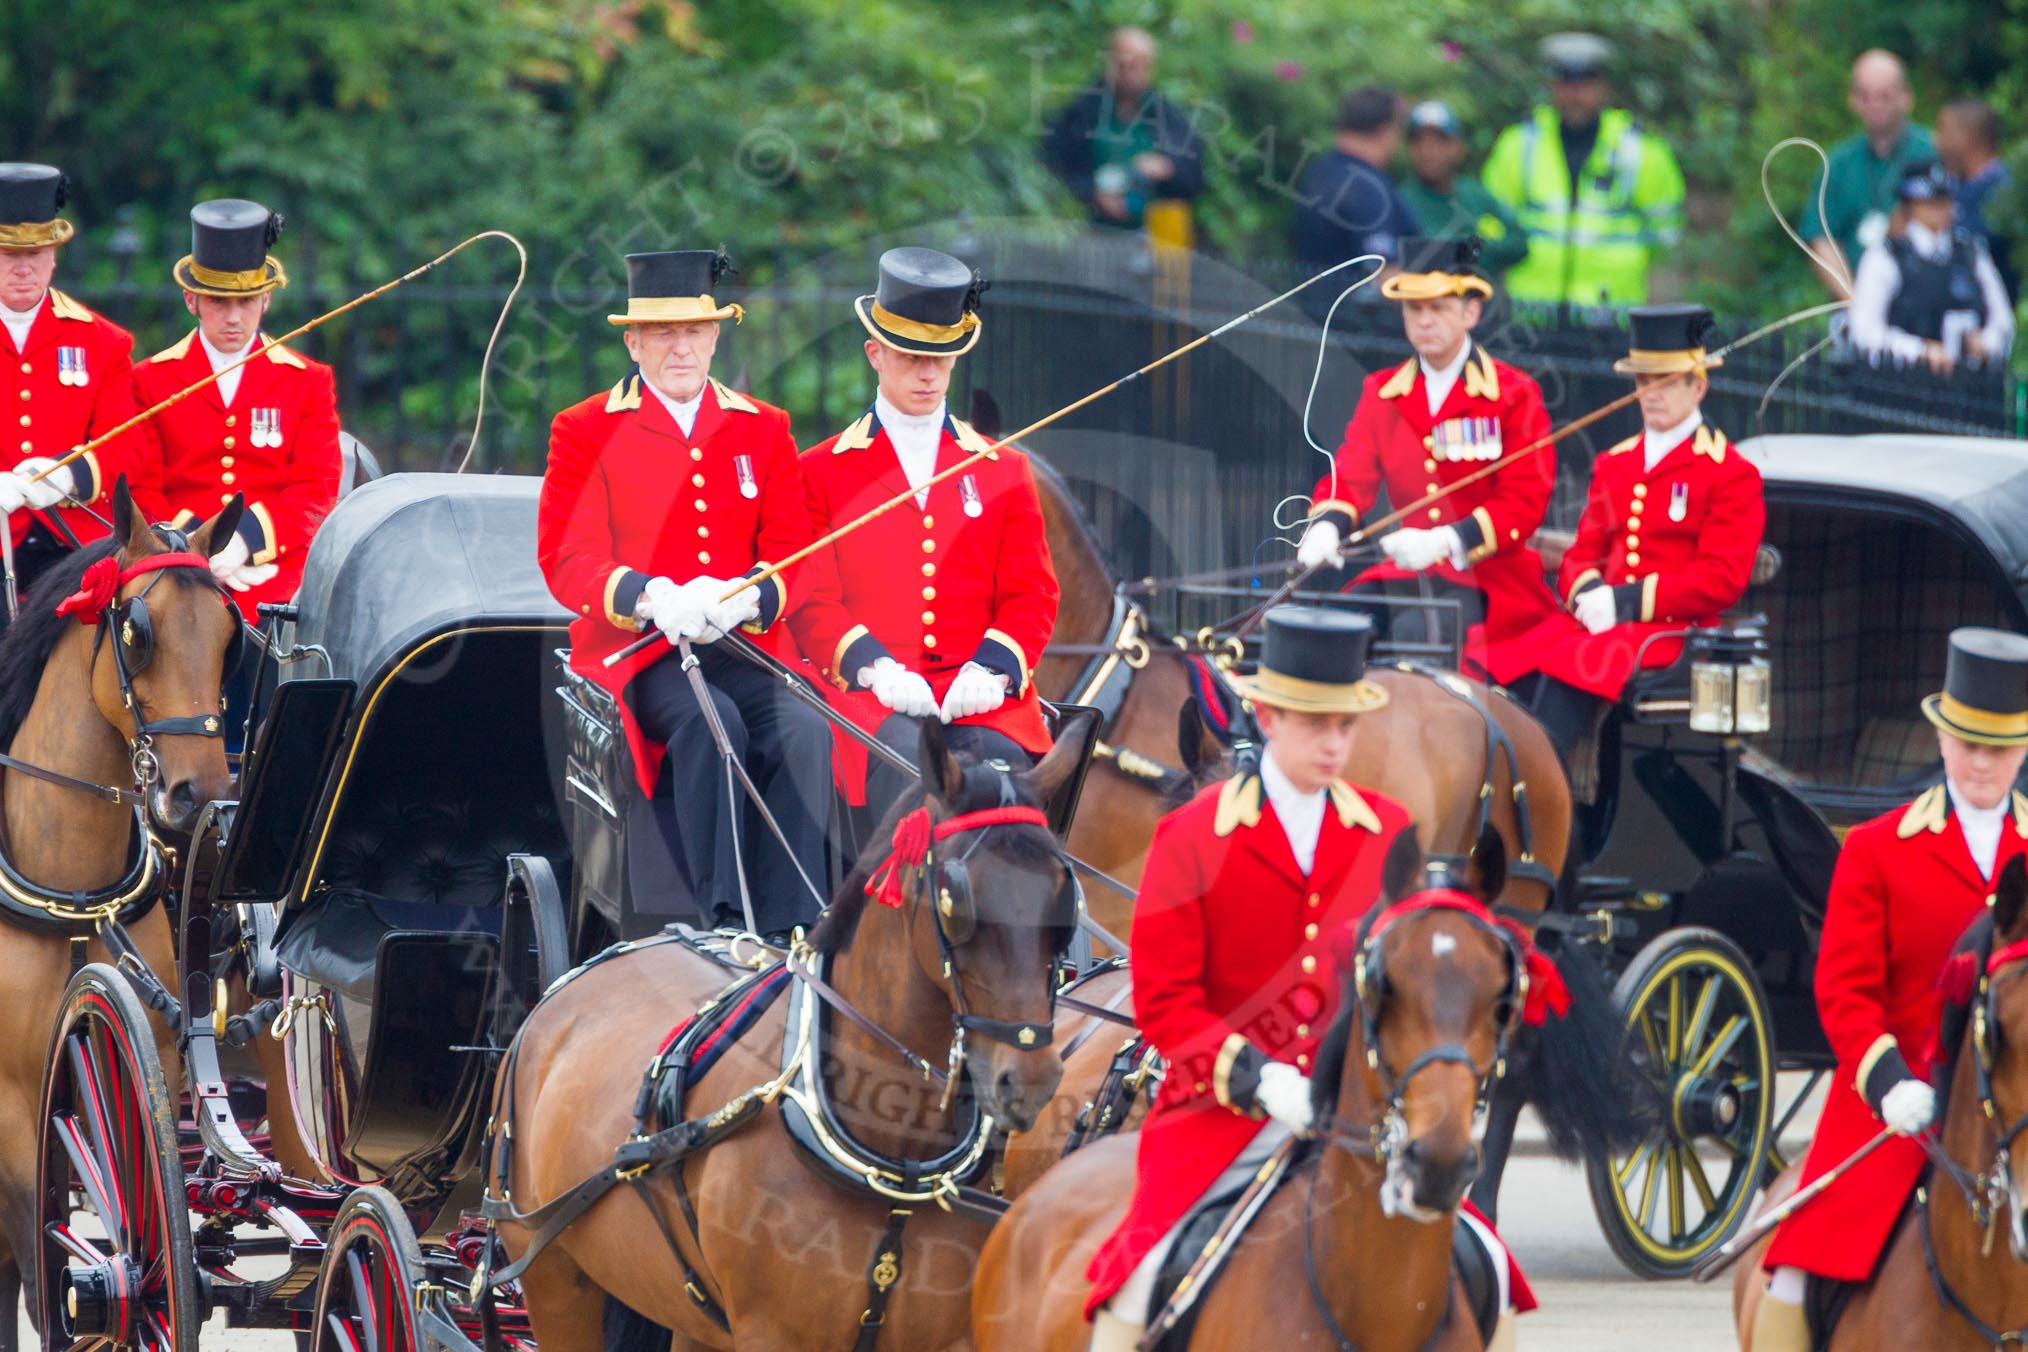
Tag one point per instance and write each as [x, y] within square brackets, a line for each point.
[366, 1288]
[115, 1267]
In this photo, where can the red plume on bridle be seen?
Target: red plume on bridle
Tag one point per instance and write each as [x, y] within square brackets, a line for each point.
[914, 833]
[102, 581]
[1548, 996]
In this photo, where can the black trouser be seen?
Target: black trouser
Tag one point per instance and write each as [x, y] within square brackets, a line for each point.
[885, 784]
[786, 748]
[1434, 624]
[1564, 711]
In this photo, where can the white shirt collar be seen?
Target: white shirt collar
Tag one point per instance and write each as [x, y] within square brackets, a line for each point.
[228, 384]
[915, 439]
[1301, 814]
[18, 322]
[1982, 826]
[1437, 380]
[893, 419]
[1926, 241]
[683, 411]
[1655, 445]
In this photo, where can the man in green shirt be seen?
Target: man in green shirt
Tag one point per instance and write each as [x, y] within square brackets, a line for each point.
[1866, 169]
[1450, 205]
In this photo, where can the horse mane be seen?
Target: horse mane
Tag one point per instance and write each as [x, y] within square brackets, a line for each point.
[834, 929]
[1048, 480]
[1976, 943]
[1329, 1074]
[28, 642]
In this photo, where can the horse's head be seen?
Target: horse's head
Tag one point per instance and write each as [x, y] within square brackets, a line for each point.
[1985, 1032]
[1435, 990]
[1211, 751]
[160, 656]
[989, 911]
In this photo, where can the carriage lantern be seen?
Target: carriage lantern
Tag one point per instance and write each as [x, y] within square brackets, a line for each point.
[1731, 684]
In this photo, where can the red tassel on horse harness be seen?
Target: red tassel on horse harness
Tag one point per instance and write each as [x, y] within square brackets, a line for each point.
[101, 583]
[913, 835]
[1957, 978]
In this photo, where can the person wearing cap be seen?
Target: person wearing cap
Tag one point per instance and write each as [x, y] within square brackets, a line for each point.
[1906, 886]
[1235, 973]
[1596, 194]
[1449, 204]
[69, 368]
[267, 431]
[1667, 540]
[939, 609]
[1446, 413]
[1931, 293]
[659, 493]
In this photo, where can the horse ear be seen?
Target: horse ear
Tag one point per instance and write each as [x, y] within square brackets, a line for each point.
[985, 413]
[211, 537]
[1401, 874]
[1197, 742]
[2008, 895]
[1489, 864]
[942, 777]
[127, 521]
[1055, 769]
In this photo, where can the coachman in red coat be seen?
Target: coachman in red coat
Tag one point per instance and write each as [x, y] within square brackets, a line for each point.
[65, 370]
[1446, 413]
[268, 431]
[941, 607]
[1667, 540]
[659, 493]
[1906, 887]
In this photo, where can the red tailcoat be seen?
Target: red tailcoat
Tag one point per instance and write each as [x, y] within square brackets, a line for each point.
[1492, 410]
[1233, 966]
[966, 577]
[1676, 544]
[1903, 894]
[70, 383]
[627, 497]
[276, 442]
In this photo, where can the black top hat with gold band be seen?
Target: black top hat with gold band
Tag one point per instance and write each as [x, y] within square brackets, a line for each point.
[30, 197]
[1985, 694]
[1313, 661]
[1668, 340]
[1433, 268]
[926, 303]
[229, 242]
[674, 287]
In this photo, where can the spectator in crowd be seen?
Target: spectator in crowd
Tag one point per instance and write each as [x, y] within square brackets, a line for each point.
[1864, 169]
[1345, 204]
[1120, 145]
[1929, 292]
[1967, 141]
[1451, 205]
[1596, 195]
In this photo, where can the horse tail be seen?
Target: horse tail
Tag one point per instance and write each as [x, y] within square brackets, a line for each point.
[1589, 1105]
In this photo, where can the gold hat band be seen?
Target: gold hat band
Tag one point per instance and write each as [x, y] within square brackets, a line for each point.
[1304, 696]
[1434, 286]
[1982, 721]
[267, 277]
[677, 310]
[921, 332]
[35, 234]
[1651, 362]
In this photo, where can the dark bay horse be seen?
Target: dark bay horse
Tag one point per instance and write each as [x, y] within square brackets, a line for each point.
[761, 1212]
[1354, 1249]
[62, 709]
[1427, 749]
[1980, 1265]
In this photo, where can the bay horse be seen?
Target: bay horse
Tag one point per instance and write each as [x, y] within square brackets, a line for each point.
[63, 709]
[1428, 749]
[1354, 1248]
[1942, 1284]
[972, 949]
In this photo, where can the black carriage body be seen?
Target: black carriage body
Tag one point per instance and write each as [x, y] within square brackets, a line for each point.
[404, 760]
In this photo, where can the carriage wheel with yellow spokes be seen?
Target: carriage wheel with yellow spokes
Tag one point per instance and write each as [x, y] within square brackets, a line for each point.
[1700, 1039]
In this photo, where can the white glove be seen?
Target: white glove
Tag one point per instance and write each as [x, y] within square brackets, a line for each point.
[677, 611]
[231, 558]
[728, 615]
[976, 690]
[1596, 610]
[899, 689]
[1284, 1092]
[1414, 550]
[58, 486]
[250, 575]
[1908, 1107]
[1319, 546]
[13, 493]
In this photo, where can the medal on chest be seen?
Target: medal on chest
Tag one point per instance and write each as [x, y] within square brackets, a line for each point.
[743, 466]
[267, 427]
[1465, 439]
[968, 491]
[1679, 501]
[70, 366]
